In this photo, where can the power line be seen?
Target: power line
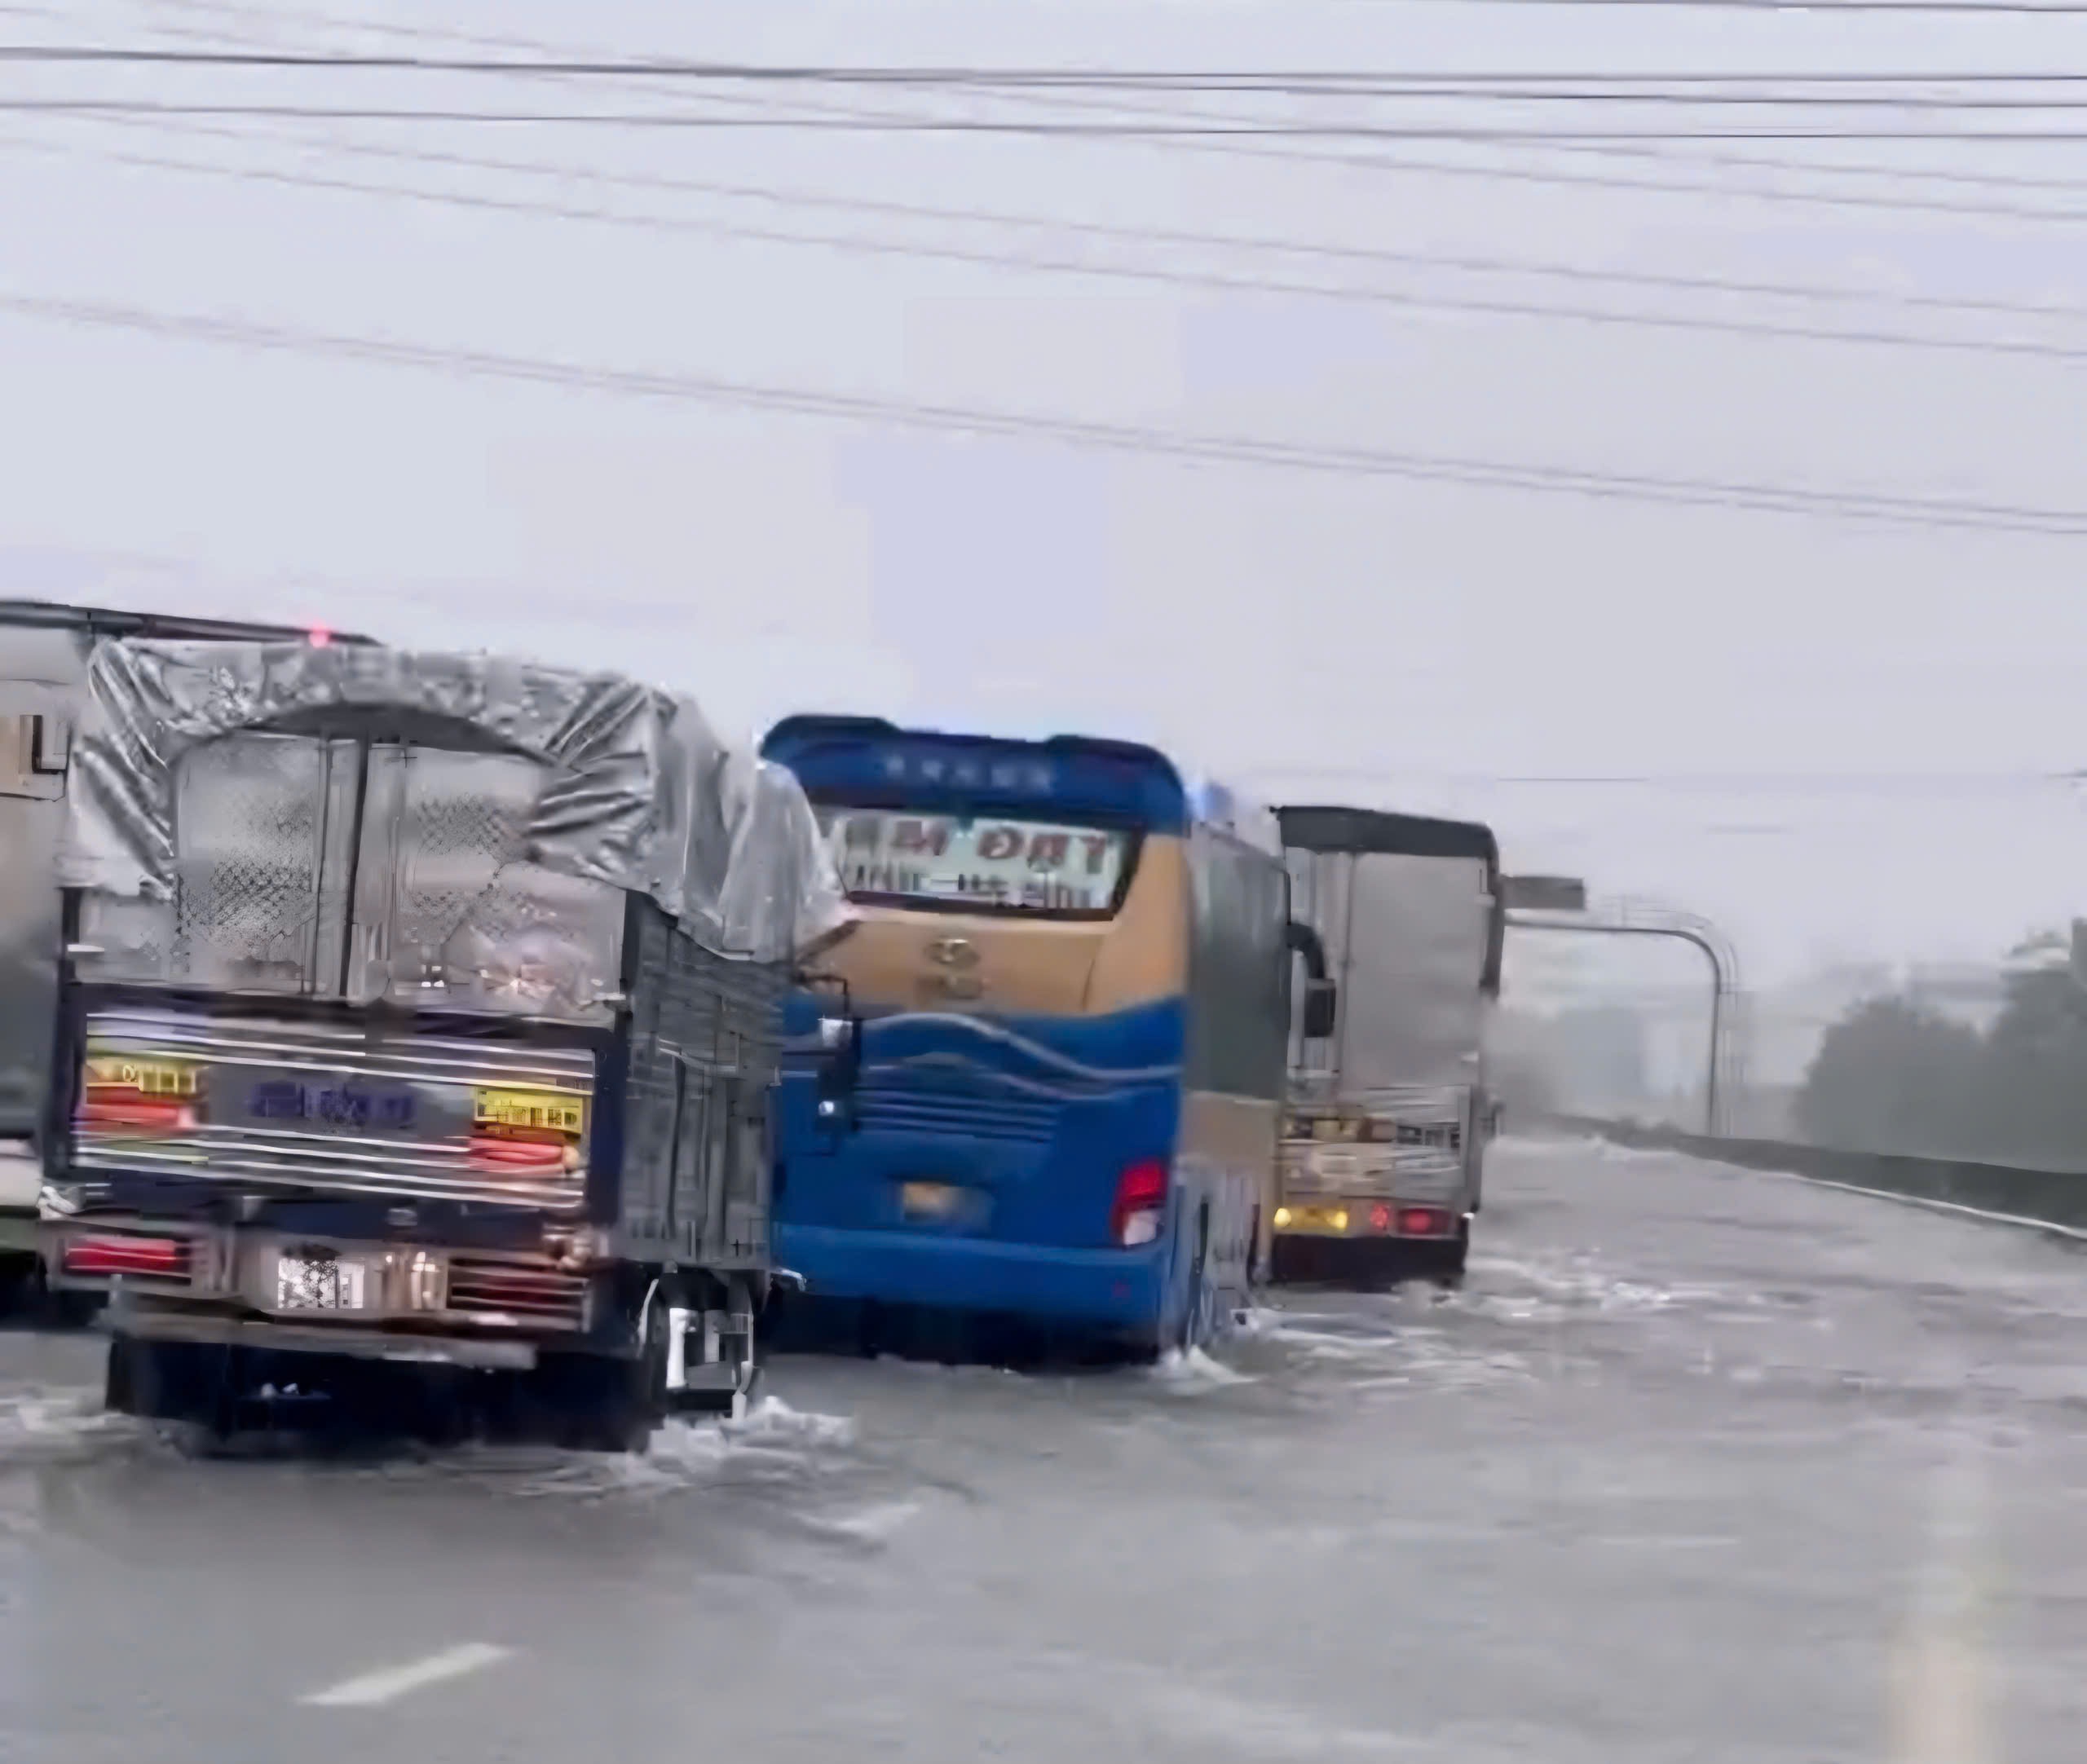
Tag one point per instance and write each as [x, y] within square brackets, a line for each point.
[997, 258]
[1988, 180]
[1812, 9]
[854, 206]
[1567, 178]
[1303, 82]
[1243, 450]
[1013, 126]
[1742, 782]
[1559, 177]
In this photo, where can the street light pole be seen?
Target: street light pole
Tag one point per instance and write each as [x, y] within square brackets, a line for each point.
[1722, 979]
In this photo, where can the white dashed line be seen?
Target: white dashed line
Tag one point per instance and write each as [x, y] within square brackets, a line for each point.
[1984, 1213]
[1941, 1707]
[393, 1682]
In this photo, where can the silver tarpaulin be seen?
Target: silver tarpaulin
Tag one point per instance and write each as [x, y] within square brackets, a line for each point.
[640, 792]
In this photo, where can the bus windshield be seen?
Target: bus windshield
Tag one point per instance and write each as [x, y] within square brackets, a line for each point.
[974, 863]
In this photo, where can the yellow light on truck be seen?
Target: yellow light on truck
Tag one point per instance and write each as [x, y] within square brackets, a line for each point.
[1340, 1221]
[149, 1078]
[528, 1111]
[1282, 1217]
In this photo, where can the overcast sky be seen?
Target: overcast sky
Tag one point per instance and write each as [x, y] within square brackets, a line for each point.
[1268, 623]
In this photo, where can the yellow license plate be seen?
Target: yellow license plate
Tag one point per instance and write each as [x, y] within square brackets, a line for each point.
[929, 1200]
[530, 1111]
[152, 1078]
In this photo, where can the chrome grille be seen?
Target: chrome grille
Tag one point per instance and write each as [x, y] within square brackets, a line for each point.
[1428, 1135]
[428, 1156]
[525, 1288]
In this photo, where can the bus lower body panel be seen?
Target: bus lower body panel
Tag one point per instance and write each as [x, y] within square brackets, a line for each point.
[1110, 1290]
[207, 1318]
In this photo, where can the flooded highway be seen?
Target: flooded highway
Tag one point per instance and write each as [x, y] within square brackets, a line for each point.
[1700, 1464]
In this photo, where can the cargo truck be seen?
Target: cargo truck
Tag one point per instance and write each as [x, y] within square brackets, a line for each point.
[416, 1025]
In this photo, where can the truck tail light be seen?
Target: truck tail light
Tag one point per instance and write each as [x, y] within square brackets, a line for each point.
[113, 1111]
[526, 1132]
[140, 1094]
[1140, 1204]
[109, 1257]
[1424, 1222]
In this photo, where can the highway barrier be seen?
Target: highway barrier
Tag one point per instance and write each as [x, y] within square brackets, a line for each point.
[2049, 1197]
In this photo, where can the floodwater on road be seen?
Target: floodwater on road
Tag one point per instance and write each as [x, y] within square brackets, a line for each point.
[1700, 1464]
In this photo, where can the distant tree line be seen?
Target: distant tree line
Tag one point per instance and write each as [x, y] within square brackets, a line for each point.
[1895, 1076]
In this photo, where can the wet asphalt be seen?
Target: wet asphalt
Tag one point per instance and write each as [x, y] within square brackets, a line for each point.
[1701, 1464]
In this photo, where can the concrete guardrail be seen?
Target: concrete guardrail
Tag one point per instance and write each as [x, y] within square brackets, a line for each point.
[2054, 1199]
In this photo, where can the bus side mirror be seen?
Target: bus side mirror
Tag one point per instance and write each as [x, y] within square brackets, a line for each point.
[1320, 1008]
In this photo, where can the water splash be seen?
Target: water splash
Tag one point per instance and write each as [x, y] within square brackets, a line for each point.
[1196, 1371]
[59, 1426]
[772, 1419]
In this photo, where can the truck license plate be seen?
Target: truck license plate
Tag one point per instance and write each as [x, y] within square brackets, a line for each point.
[313, 1281]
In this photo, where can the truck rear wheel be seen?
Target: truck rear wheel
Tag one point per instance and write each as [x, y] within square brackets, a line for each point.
[1449, 1259]
[603, 1402]
[168, 1380]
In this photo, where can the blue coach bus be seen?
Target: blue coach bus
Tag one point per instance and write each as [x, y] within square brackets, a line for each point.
[1074, 971]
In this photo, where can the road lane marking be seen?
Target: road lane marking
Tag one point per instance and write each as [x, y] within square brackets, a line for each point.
[1985, 1214]
[391, 1682]
[1941, 1708]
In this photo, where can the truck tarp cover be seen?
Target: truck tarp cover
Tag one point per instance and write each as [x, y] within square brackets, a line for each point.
[641, 794]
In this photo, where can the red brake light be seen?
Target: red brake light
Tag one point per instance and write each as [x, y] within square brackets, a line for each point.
[1140, 1203]
[1424, 1222]
[144, 1258]
[318, 637]
[519, 1153]
[1380, 1217]
[120, 1111]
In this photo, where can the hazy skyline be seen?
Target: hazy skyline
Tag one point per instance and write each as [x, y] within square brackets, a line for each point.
[1272, 622]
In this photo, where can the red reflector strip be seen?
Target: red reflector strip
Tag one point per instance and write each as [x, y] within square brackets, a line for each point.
[146, 1258]
[129, 1110]
[518, 1154]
